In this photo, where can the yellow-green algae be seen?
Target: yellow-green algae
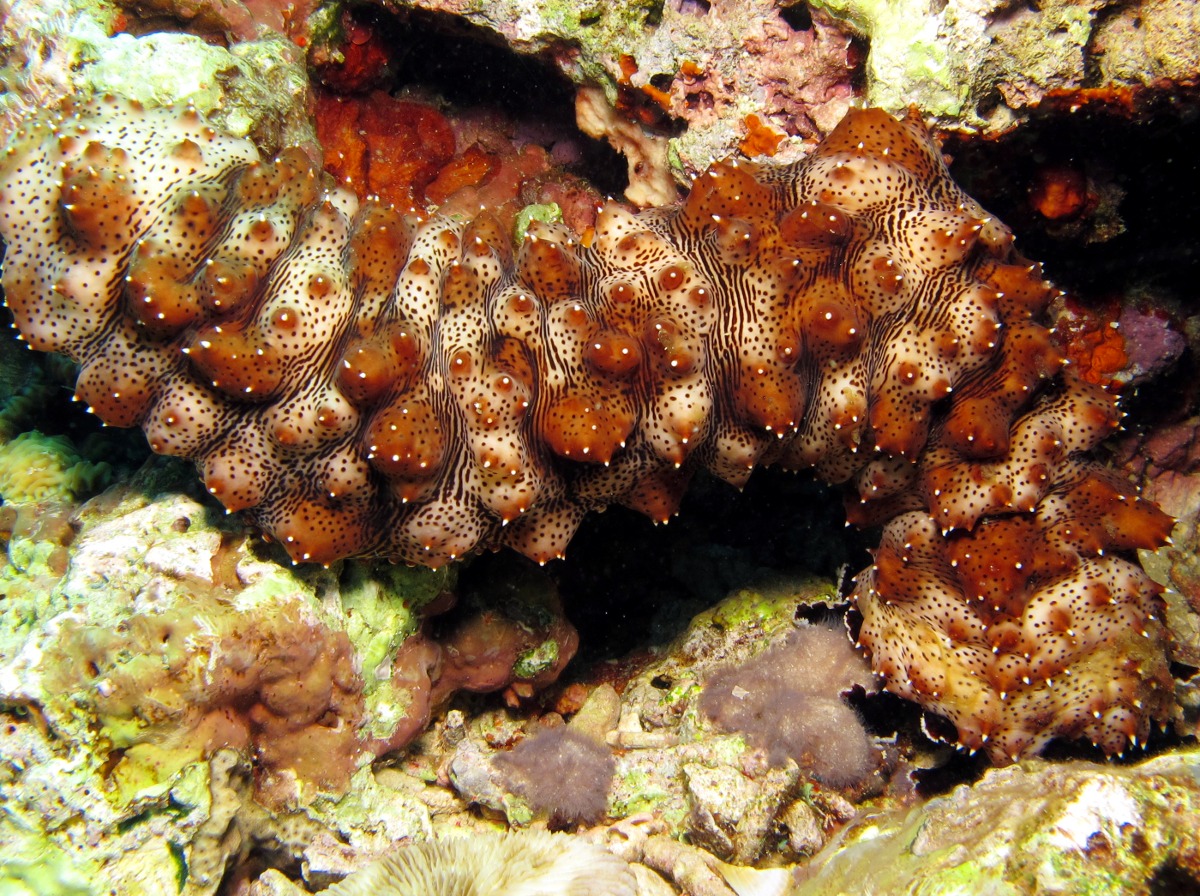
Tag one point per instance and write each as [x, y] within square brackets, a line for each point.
[379, 609]
[545, 212]
[767, 610]
[255, 87]
[537, 660]
[34, 866]
[954, 60]
[602, 30]
[380, 603]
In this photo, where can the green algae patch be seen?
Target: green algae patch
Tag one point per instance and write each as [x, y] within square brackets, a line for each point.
[641, 793]
[368, 804]
[516, 811]
[533, 663]
[545, 212]
[380, 607]
[389, 706]
[971, 67]
[602, 29]
[147, 770]
[380, 610]
[34, 866]
[910, 60]
[768, 611]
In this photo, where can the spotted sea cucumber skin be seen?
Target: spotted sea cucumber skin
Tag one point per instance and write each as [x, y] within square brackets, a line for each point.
[363, 383]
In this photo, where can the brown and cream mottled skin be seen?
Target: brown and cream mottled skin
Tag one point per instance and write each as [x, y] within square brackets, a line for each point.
[360, 382]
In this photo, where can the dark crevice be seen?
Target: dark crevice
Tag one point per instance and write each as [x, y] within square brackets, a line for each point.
[798, 17]
[1172, 880]
[1143, 174]
[1136, 238]
[856, 57]
[628, 583]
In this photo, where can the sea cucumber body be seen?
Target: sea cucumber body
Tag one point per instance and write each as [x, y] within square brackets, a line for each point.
[362, 383]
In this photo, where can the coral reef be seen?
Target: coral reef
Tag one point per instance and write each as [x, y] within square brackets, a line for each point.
[360, 383]
[787, 701]
[257, 86]
[736, 803]
[1149, 44]
[983, 64]
[701, 786]
[702, 79]
[184, 713]
[144, 641]
[194, 648]
[697, 77]
[197, 646]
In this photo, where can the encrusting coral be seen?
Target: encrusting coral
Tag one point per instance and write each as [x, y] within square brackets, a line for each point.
[359, 382]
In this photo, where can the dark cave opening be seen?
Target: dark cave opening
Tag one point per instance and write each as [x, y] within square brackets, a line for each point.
[1134, 234]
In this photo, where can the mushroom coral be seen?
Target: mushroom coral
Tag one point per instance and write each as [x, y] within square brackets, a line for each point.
[533, 863]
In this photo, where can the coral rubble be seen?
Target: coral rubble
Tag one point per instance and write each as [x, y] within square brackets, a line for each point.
[362, 383]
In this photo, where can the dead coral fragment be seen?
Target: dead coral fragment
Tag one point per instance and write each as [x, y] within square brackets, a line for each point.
[532, 864]
[787, 702]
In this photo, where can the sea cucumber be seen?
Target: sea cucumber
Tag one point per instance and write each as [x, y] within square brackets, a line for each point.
[360, 382]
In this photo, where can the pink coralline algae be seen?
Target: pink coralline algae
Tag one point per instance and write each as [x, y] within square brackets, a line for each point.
[362, 383]
[1152, 342]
